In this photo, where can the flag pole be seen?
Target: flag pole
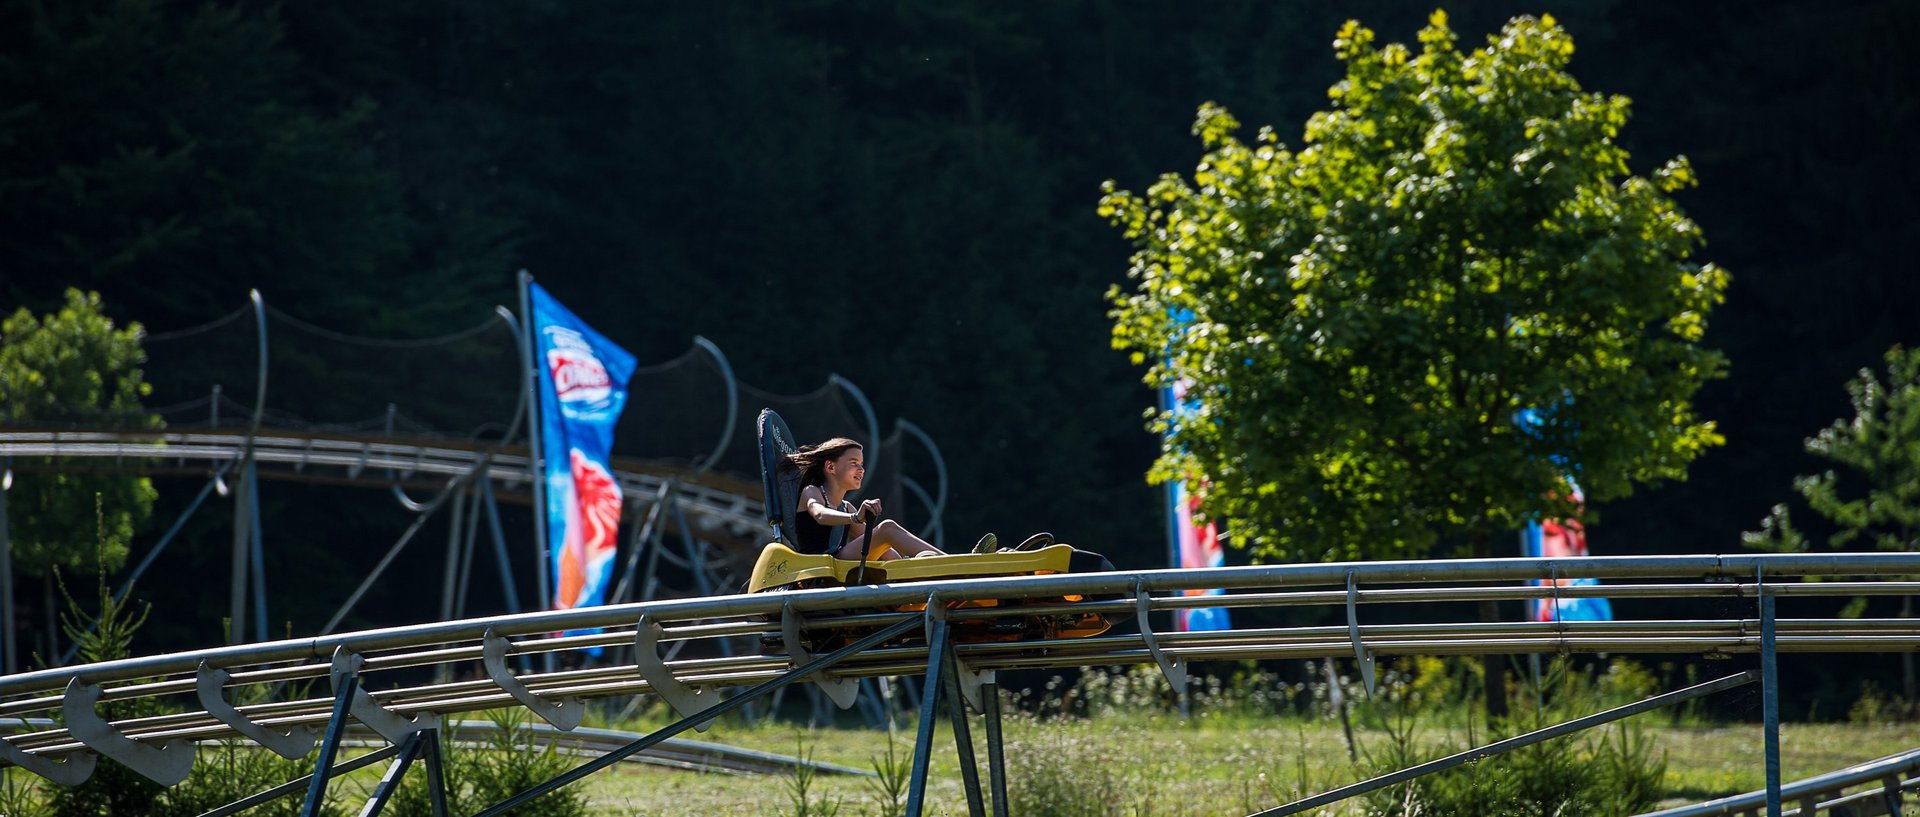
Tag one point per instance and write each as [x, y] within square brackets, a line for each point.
[537, 462]
[1169, 492]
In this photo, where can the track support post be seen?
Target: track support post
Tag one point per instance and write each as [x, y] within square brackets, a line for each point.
[685, 699]
[423, 742]
[1769, 691]
[937, 646]
[765, 688]
[389, 724]
[343, 690]
[564, 714]
[167, 763]
[843, 691]
[996, 754]
[1361, 655]
[1172, 667]
[962, 733]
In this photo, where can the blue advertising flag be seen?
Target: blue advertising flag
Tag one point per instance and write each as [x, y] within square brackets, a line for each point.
[583, 386]
[1193, 545]
[1563, 538]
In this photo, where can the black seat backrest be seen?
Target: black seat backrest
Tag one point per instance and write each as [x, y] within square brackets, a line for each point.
[782, 483]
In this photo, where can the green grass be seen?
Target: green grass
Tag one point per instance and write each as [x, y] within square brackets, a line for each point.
[1157, 765]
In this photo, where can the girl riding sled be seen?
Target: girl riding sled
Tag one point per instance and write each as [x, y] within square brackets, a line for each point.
[829, 471]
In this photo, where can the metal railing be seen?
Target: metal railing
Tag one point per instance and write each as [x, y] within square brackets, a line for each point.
[465, 643]
[282, 679]
[333, 458]
[1888, 776]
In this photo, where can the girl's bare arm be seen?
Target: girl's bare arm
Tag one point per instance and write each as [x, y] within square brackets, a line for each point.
[811, 500]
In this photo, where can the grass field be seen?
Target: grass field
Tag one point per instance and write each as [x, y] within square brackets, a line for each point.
[1158, 765]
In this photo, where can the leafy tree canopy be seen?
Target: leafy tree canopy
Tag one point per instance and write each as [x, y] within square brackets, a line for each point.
[73, 367]
[1362, 320]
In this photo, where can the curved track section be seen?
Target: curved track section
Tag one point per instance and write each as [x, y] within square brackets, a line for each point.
[285, 689]
[715, 505]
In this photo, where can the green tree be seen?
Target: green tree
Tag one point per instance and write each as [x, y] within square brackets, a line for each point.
[1458, 241]
[1362, 320]
[72, 367]
[1878, 501]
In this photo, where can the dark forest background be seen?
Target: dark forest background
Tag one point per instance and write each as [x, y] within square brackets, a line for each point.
[902, 193]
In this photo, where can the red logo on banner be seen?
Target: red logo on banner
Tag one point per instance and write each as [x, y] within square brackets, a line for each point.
[578, 376]
[591, 541]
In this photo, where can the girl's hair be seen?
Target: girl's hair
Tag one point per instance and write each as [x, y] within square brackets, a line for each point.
[811, 459]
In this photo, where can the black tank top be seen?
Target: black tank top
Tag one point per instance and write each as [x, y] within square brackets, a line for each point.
[810, 535]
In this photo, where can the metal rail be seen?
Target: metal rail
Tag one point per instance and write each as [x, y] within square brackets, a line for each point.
[1888, 776]
[376, 675]
[309, 457]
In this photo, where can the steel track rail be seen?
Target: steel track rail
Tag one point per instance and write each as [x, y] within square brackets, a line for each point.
[286, 683]
[712, 502]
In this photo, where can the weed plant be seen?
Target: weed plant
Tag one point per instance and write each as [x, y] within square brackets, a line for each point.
[228, 771]
[1064, 771]
[1608, 770]
[509, 763]
[800, 787]
[1875, 706]
[892, 774]
[21, 795]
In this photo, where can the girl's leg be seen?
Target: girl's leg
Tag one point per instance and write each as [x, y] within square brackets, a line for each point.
[894, 535]
[878, 552]
[888, 535]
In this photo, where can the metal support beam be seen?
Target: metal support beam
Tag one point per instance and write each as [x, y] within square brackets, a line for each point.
[343, 691]
[649, 580]
[872, 707]
[436, 776]
[996, 754]
[939, 503]
[873, 423]
[499, 535]
[1509, 744]
[166, 764]
[536, 464]
[1173, 668]
[453, 488]
[704, 716]
[937, 645]
[73, 770]
[210, 685]
[467, 546]
[564, 714]
[11, 663]
[1361, 655]
[244, 509]
[1769, 692]
[685, 699]
[259, 559]
[962, 736]
[843, 691]
[292, 786]
[410, 750]
[345, 675]
[642, 533]
[450, 578]
[242, 548]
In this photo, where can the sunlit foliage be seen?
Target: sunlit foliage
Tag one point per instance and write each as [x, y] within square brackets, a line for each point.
[1457, 239]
